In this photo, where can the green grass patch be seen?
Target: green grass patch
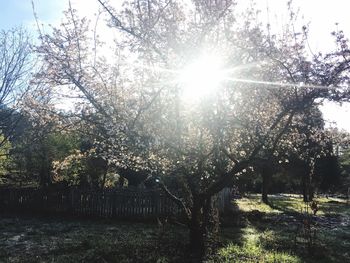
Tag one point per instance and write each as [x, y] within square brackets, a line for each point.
[278, 230]
[253, 202]
[292, 203]
[250, 252]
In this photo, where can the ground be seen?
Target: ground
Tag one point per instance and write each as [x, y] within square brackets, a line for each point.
[252, 232]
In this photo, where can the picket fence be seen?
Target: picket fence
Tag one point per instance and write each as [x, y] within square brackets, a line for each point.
[120, 203]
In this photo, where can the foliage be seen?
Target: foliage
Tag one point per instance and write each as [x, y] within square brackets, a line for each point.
[84, 168]
[5, 159]
[34, 153]
[70, 169]
[345, 166]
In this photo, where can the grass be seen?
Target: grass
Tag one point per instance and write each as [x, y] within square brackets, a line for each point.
[268, 233]
[292, 203]
[250, 252]
[253, 232]
[52, 240]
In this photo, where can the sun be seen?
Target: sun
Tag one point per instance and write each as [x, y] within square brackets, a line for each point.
[201, 77]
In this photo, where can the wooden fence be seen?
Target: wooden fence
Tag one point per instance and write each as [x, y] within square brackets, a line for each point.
[122, 203]
[107, 203]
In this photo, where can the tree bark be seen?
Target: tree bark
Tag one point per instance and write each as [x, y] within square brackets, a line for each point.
[103, 183]
[266, 176]
[303, 186]
[204, 228]
[310, 187]
[307, 189]
[44, 172]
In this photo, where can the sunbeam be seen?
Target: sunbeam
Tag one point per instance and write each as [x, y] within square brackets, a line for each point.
[205, 75]
[272, 84]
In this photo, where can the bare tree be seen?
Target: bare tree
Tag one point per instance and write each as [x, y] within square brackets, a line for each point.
[15, 67]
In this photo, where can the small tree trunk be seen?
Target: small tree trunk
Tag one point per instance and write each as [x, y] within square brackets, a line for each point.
[211, 225]
[264, 196]
[303, 187]
[44, 174]
[310, 188]
[265, 185]
[103, 183]
[308, 193]
[196, 233]
[204, 228]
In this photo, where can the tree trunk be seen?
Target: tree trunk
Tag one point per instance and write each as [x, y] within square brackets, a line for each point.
[44, 174]
[204, 228]
[305, 195]
[310, 187]
[308, 193]
[103, 183]
[265, 174]
[196, 232]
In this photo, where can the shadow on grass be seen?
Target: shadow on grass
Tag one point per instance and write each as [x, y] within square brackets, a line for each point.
[270, 232]
[333, 207]
[43, 240]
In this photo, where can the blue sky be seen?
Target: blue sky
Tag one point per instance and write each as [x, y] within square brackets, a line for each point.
[323, 14]
[19, 12]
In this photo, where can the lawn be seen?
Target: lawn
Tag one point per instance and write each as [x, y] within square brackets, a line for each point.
[252, 232]
[278, 233]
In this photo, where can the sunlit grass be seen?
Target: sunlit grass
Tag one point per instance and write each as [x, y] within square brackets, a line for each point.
[251, 252]
[253, 202]
[251, 248]
[274, 233]
[292, 203]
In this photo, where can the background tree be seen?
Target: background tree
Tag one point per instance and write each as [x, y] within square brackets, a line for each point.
[342, 152]
[15, 67]
[306, 143]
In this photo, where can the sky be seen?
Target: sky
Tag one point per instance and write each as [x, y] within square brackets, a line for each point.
[322, 15]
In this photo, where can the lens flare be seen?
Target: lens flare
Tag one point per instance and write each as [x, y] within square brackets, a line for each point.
[201, 78]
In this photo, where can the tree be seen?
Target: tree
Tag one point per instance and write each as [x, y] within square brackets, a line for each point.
[345, 166]
[342, 153]
[306, 142]
[328, 173]
[15, 68]
[4, 160]
[198, 148]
